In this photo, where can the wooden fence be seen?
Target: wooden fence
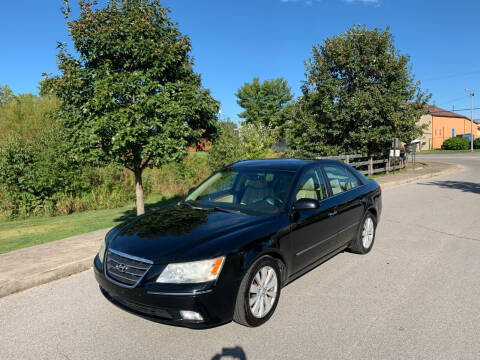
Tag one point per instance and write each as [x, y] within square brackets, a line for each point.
[369, 165]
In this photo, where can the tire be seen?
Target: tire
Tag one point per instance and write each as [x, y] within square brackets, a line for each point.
[368, 224]
[243, 313]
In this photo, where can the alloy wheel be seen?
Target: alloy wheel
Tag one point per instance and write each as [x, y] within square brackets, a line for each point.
[263, 291]
[368, 232]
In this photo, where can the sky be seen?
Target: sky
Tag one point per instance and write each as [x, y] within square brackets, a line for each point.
[234, 41]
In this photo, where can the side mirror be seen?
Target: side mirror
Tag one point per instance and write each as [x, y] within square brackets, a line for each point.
[306, 204]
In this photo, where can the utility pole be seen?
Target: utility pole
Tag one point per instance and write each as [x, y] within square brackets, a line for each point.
[471, 117]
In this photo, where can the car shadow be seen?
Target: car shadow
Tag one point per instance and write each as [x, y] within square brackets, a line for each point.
[132, 213]
[235, 353]
[465, 186]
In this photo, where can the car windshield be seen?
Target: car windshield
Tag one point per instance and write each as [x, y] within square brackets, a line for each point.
[244, 190]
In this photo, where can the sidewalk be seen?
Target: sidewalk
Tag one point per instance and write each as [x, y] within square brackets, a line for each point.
[36, 265]
[421, 172]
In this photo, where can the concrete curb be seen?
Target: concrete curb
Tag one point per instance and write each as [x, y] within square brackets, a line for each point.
[450, 170]
[8, 287]
[14, 286]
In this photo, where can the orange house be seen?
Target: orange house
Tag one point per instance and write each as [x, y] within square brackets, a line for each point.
[443, 124]
[202, 145]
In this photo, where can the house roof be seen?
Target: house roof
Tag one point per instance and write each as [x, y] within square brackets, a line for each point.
[436, 111]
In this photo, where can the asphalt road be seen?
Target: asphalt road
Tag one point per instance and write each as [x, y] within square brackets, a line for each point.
[415, 296]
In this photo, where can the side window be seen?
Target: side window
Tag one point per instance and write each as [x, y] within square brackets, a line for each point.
[338, 178]
[311, 186]
[354, 182]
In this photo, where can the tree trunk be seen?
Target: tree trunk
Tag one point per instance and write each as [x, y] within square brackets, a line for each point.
[139, 192]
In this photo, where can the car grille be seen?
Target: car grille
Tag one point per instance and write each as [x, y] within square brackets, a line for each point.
[124, 269]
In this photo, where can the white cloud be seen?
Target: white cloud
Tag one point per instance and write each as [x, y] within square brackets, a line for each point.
[373, 2]
[310, 2]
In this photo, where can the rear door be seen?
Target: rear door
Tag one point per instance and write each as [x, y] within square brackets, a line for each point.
[346, 191]
[313, 231]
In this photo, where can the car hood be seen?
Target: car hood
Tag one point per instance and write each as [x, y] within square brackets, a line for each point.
[181, 233]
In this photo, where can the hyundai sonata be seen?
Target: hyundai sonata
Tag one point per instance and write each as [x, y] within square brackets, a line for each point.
[225, 252]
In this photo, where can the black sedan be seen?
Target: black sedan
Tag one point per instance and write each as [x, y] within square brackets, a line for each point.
[225, 252]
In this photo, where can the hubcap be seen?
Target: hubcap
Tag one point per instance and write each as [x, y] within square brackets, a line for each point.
[263, 291]
[367, 232]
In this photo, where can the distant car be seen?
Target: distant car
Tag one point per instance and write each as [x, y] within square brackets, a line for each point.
[225, 252]
[465, 136]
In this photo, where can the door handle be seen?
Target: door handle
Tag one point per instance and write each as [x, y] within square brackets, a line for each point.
[333, 213]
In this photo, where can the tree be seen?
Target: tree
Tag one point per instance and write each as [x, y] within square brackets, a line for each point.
[257, 138]
[251, 141]
[6, 94]
[131, 96]
[358, 94]
[264, 102]
[227, 147]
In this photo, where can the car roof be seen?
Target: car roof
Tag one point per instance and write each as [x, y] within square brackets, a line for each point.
[276, 164]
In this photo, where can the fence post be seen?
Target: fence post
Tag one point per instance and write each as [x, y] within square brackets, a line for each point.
[370, 166]
[347, 159]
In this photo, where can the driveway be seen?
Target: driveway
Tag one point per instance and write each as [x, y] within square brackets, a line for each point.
[415, 296]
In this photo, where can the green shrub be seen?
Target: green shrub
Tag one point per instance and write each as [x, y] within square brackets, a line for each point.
[227, 148]
[476, 143]
[34, 173]
[252, 142]
[257, 139]
[456, 143]
[40, 177]
[177, 178]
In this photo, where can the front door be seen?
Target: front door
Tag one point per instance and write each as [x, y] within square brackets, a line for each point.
[346, 192]
[313, 232]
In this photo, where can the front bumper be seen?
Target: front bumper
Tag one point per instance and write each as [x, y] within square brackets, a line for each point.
[214, 302]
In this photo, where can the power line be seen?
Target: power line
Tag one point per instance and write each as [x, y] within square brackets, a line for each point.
[477, 108]
[452, 76]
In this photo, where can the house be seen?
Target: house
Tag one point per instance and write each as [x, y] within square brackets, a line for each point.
[442, 124]
[202, 145]
[477, 121]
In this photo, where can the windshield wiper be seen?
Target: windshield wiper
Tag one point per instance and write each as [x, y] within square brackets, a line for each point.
[218, 208]
[192, 205]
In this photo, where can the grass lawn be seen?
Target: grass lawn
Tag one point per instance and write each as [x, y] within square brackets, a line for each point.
[18, 234]
[440, 151]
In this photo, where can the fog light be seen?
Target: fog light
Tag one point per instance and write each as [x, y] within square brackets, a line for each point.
[190, 315]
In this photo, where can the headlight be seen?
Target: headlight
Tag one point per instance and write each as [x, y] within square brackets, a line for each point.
[101, 252]
[192, 272]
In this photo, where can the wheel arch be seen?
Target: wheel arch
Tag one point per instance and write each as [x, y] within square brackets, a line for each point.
[249, 259]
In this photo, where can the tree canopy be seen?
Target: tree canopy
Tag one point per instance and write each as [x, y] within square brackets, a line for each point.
[358, 94]
[6, 94]
[130, 96]
[263, 102]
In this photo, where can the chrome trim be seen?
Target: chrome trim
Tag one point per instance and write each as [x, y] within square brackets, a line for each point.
[130, 256]
[105, 265]
[192, 293]
[346, 191]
